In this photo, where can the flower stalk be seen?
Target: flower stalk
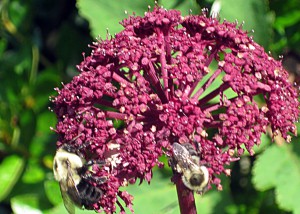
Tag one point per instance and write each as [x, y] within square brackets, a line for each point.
[186, 199]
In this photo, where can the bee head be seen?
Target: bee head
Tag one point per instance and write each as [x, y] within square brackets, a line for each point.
[69, 148]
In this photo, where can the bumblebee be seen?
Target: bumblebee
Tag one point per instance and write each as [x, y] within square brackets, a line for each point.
[186, 161]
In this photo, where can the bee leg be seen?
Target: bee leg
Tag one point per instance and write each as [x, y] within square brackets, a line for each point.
[90, 177]
[206, 165]
[92, 162]
[172, 163]
[101, 180]
[190, 149]
[201, 192]
[174, 166]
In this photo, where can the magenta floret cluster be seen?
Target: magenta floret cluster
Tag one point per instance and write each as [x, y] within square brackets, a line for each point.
[144, 89]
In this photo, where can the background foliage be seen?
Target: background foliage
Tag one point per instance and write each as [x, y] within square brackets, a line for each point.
[41, 42]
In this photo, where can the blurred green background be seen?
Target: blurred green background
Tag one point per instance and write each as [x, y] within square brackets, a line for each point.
[42, 41]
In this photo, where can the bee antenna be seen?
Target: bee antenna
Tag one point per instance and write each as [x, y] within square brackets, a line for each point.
[197, 146]
[75, 138]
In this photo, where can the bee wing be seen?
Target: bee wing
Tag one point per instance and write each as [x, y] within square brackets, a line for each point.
[69, 204]
[183, 157]
[72, 189]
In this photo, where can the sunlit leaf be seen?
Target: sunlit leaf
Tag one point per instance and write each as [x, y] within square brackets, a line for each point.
[33, 173]
[255, 15]
[161, 197]
[265, 141]
[278, 167]
[10, 170]
[103, 15]
[60, 209]
[24, 204]
[161, 193]
[289, 19]
[53, 192]
[45, 121]
[186, 7]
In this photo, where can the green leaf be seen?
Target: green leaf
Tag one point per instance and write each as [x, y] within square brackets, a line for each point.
[255, 15]
[158, 197]
[45, 82]
[265, 177]
[278, 167]
[185, 6]
[10, 170]
[229, 93]
[146, 196]
[45, 121]
[43, 140]
[207, 203]
[161, 197]
[34, 173]
[103, 14]
[3, 45]
[28, 203]
[288, 20]
[265, 141]
[28, 126]
[53, 192]
[60, 209]
[17, 12]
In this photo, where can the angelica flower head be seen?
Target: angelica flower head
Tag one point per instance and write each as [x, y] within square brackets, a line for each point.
[154, 84]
